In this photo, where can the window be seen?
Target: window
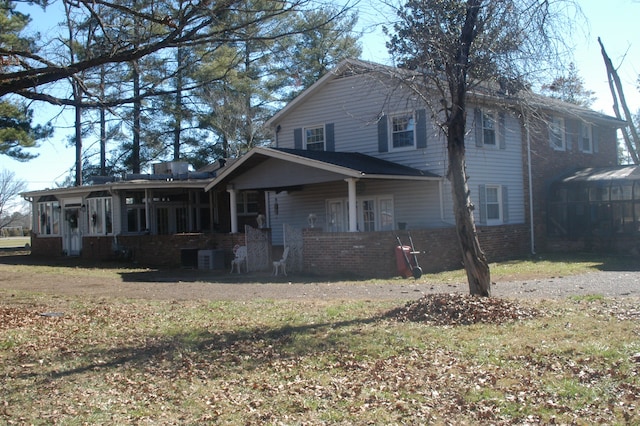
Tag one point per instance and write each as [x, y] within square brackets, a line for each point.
[314, 138]
[373, 214]
[403, 131]
[369, 215]
[493, 204]
[247, 203]
[586, 139]
[488, 128]
[99, 216]
[136, 212]
[49, 218]
[557, 138]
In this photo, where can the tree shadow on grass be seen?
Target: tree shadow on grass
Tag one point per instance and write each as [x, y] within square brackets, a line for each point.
[213, 353]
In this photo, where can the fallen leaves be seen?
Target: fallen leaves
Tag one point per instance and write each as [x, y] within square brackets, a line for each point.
[270, 362]
[461, 309]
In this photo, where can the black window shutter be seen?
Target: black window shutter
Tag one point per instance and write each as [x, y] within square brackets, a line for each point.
[482, 198]
[421, 128]
[502, 134]
[297, 138]
[383, 136]
[477, 120]
[329, 138]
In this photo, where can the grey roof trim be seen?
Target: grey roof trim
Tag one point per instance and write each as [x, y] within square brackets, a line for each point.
[118, 186]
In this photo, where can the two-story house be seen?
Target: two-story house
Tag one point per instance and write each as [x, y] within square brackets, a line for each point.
[357, 160]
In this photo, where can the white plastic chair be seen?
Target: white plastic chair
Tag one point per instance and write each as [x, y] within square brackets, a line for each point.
[240, 253]
[282, 263]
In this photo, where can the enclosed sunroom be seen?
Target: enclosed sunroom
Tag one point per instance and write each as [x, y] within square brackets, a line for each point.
[596, 203]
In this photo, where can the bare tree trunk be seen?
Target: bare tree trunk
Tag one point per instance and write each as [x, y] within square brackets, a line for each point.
[614, 79]
[473, 258]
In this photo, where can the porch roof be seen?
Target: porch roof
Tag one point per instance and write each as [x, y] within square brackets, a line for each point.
[342, 164]
[600, 174]
[112, 187]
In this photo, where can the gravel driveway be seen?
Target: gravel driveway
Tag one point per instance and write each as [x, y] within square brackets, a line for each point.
[192, 285]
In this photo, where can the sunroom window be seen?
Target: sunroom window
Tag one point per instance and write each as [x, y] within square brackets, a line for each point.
[48, 217]
[100, 215]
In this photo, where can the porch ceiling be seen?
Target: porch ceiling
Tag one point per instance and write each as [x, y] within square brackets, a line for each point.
[281, 168]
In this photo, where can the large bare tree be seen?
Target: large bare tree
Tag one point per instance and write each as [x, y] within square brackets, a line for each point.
[459, 47]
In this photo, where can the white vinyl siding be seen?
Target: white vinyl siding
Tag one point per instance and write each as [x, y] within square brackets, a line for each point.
[355, 106]
[415, 203]
[502, 167]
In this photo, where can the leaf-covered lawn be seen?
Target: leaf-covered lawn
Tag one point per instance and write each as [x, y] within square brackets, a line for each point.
[73, 361]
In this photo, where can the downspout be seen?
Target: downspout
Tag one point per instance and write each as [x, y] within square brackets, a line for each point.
[530, 177]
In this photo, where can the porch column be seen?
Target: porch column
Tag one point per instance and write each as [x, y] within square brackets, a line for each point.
[147, 209]
[353, 217]
[233, 208]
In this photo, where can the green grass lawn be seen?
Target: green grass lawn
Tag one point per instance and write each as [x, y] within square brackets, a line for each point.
[114, 361]
[14, 242]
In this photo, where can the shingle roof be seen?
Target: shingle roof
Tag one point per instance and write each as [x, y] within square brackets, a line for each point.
[362, 163]
[595, 174]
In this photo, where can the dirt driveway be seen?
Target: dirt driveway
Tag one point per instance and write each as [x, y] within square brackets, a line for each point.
[195, 285]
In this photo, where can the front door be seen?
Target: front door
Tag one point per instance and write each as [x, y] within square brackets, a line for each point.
[72, 236]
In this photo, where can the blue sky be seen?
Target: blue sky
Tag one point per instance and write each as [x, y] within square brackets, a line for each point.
[615, 21]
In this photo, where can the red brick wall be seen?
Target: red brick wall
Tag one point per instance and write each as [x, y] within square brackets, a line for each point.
[549, 164]
[372, 254]
[46, 246]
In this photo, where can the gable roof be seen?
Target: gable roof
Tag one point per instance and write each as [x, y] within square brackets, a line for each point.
[346, 164]
[345, 68]
[350, 67]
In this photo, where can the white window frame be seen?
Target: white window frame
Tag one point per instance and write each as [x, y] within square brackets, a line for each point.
[557, 133]
[243, 203]
[586, 130]
[494, 127]
[341, 223]
[411, 115]
[498, 202]
[307, 136]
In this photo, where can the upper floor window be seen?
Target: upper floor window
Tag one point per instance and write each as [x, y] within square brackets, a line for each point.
[557, 138]
[586, 138]
[403, 131]
[314, 138]
[488, 128]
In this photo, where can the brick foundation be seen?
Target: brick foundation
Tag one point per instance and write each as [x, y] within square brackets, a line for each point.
[372, 254]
